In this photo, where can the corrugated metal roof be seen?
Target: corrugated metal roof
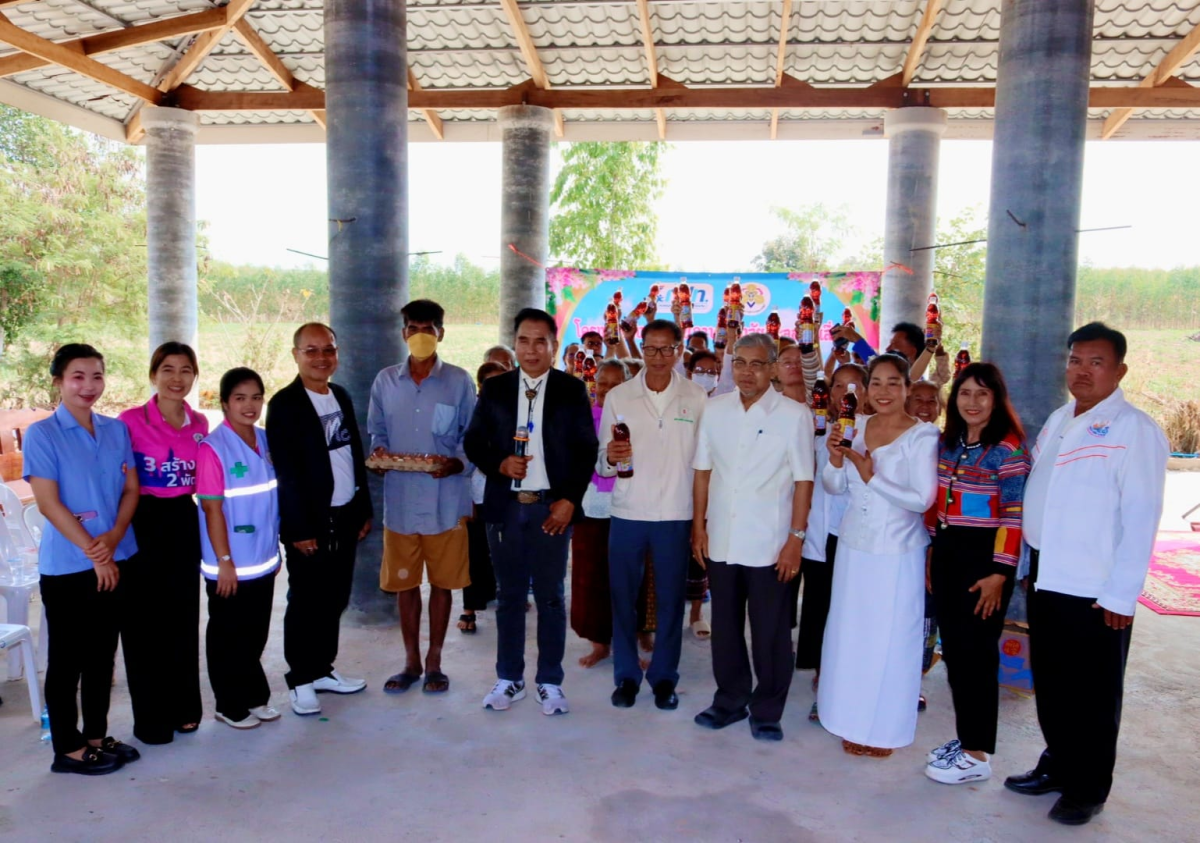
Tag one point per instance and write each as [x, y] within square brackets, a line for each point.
[470, 44]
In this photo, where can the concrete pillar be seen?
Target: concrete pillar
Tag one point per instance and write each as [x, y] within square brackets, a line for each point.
[1037, 182]
[914, 138]
[524, 210]
[171, 223]
[366, 103]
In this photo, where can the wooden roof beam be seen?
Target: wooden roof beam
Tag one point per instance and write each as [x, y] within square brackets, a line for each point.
[204, 44]
[74, 61]
[431, 116]
[262, 51]
[785, 27]
[660, 116]
[1179, 55]
[525, 43]
[916, 50]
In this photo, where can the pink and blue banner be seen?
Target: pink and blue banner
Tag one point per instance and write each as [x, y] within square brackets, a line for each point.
[577, 298]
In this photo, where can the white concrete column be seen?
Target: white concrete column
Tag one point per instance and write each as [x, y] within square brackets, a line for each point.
[914, 139]
[171, 223]
[525, 210]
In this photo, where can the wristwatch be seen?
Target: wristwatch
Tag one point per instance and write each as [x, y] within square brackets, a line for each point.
[800, 534]
[224, 558]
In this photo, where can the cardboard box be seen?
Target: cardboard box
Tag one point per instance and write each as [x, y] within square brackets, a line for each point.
[1016, 672]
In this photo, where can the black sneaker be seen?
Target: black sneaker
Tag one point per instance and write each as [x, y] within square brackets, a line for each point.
[93, 763]
[124, 751]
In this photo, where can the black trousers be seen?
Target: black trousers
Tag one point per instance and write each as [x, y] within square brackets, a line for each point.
[160, 618]
[970, 644]
[814, 606]
[238, 627]
[737, 589]
[83, 628]
[1079, 675]
[482, 589]
[318, 593]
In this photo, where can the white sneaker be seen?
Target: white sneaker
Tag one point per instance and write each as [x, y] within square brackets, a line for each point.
[958, 768]
[266, 713]
[553, 700]
[503, 694]
[250, 721]
[304, 700]
[335, 683]
[948, 748]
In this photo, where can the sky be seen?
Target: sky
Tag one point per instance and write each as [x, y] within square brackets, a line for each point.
[715, 215]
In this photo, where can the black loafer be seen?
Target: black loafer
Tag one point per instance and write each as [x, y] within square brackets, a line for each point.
[764, 730]
[625, 694]
[112, 746]
[664, 696]
[1033, 783]
[1068, 812]
[716, 718]
[93, 763]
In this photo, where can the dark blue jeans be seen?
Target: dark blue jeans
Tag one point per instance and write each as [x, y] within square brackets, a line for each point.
[520, 552]
[668, 544]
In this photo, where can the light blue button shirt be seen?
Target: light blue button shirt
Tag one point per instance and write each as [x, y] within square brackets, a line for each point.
[427, 418]
[90, 473]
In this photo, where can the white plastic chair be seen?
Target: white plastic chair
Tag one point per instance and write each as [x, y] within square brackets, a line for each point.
[35, 523]
[13, 636]
[18, 583]
[13, 512]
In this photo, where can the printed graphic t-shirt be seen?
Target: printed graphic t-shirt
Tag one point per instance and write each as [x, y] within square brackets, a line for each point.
[337, 438]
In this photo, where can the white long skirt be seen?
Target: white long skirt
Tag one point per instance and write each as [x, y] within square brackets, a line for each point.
[874, 640]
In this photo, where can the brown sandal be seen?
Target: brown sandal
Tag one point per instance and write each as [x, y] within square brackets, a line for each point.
[853, 748]
[877, 752]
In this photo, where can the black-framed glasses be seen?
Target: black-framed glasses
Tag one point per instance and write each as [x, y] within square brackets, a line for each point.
[660, 350]
[756, 366]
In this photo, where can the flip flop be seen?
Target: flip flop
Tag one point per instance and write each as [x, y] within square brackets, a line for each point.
[702, 630]
[436, 677]
[812, 714]
[401, 682]
[466, 624]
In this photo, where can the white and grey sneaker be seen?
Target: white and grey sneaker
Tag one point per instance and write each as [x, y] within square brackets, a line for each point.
[266, 713]
[553, 699]
[948, 748]
[958, 768]
[503, 694]
[304, 700]
[335, 683]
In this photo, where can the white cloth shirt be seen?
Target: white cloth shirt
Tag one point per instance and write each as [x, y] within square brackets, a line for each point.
[341, 455]
[825, 517]
[756, 457]
[887, 515]
[536, 479]
[1094, 500]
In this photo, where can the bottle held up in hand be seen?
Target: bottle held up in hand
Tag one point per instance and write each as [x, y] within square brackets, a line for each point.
[846, 414]
[933, 318]
[820, 405]
[962, 360]
[621, 434]
[807, 329]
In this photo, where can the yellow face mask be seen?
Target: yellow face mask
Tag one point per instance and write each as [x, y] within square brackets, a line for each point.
[422, 346]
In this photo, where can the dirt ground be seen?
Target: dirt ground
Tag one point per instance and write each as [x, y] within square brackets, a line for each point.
[377, 767]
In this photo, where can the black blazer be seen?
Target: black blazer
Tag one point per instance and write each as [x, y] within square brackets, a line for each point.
[300, 454]
[568, 438]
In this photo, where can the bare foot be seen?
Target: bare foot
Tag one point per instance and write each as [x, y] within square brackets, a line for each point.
[696, 609]
[599, 653]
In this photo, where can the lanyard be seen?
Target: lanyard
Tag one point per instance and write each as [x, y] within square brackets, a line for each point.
[531, 392]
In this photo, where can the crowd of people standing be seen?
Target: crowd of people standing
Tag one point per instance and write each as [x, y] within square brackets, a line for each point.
[705, 472]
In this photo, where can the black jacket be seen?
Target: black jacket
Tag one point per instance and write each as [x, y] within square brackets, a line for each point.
[568, 438]
[300, 454]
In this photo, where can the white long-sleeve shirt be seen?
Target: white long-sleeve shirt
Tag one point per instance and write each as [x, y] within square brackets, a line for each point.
[1093, 501]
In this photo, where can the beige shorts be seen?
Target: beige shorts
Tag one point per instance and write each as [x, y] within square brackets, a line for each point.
[406, 557]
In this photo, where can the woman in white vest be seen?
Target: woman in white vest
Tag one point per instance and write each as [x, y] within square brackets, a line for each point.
[239, 536]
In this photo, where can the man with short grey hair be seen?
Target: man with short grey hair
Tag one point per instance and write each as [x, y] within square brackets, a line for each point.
[752, 491]
[501, 355]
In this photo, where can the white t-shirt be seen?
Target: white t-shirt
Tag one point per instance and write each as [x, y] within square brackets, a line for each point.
[536, 479]
[337, 437]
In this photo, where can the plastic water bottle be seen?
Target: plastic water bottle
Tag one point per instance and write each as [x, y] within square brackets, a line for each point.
[45, 726]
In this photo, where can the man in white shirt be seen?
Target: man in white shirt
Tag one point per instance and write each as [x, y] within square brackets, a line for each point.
[652, 510]
[1092, 507]
[753, 489]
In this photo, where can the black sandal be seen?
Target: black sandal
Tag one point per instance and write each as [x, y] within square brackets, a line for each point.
[466, 624]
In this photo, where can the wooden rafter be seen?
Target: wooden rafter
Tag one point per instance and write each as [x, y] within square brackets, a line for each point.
[204, 44]
[254, 42]
[525, 43]
[134, 130]
[793, 94]
[785, 27]
[660, 115]
[1180, 54]
[431, 116]
[318, 114]
[74, 61]
[133, 36]
[917, 49]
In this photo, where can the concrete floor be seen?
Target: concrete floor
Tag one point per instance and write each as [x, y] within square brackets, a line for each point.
[377, 767]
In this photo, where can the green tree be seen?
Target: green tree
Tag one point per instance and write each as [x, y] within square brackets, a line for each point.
[20, 286]
[811, 242]
[603, 199]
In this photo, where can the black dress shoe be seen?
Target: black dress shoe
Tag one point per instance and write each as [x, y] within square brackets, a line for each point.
[112, 746]
[1068, 812]
[1033, 783]
[664, 696]
[93, 763]
[625, 694]
[716, 718]
[766, 730]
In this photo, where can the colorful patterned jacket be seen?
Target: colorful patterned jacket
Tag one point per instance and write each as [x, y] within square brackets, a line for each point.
[983, 486]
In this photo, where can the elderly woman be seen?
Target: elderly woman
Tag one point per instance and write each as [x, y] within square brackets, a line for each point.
[871, 658]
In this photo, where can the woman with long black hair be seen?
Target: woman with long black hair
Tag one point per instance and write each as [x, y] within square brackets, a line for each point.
[982, 467]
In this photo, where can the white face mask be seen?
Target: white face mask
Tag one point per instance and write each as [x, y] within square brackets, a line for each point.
[707, 382]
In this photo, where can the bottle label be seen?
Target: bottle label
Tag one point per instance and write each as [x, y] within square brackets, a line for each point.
[806, 335]
[624, 466]
[821, 420]
[847, 426]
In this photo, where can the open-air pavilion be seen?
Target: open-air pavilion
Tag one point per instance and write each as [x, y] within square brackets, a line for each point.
[366, 77]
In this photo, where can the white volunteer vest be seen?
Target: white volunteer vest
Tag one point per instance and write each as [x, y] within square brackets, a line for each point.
[251, 507]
